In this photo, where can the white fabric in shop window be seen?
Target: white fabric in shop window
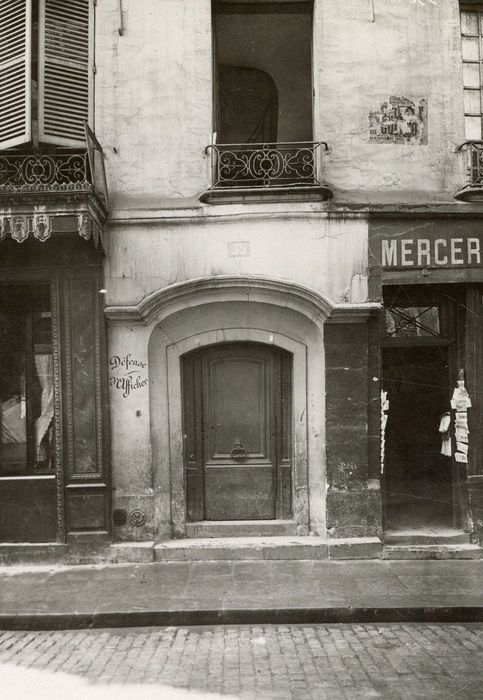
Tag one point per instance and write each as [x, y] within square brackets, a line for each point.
[43, 364]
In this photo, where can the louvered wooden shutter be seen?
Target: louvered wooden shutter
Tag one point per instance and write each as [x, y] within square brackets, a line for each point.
[65, 70]
[15, 71]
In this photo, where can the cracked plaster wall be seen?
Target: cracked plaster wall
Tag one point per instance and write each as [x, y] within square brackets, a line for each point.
[328, 256]
[154, 96]
[410, 49]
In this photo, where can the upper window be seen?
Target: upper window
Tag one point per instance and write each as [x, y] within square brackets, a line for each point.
[46, 67]
[263, 79]
[472, 53]
[262, 140]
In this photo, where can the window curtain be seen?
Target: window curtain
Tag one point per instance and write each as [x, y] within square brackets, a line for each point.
[248, 105]
[43, 365]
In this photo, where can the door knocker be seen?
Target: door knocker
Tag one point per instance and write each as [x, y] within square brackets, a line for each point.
[238, 451]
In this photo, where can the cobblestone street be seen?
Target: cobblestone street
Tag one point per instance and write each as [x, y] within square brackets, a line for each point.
[274, 661]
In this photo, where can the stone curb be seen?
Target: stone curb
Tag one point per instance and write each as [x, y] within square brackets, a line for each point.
[162, 618]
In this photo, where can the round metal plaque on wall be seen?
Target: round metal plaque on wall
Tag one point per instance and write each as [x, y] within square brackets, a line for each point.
[137, 517]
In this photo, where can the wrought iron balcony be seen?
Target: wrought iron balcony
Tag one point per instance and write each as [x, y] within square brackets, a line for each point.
[262, 167]
[473, 190]
[34, 172]
[41, 172]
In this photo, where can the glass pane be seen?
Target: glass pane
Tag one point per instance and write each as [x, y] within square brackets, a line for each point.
[471, 75]
[473, 128]
[44, 375]
[470, 48]
[469, 22]
[13, 437]
[26, 381]
[472, 102]
[412, 321]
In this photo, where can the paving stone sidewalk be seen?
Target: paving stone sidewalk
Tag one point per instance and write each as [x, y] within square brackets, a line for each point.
[235, 592]
[404, 661]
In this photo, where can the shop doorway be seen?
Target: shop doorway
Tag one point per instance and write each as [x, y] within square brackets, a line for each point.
[422, 486]
[419, 479]
[237, 432]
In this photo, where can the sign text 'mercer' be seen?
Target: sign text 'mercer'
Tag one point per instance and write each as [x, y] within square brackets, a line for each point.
[427, 252]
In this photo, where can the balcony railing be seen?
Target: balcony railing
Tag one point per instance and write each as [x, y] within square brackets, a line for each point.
[34, 172]
[68, 171]
[266, 166]
[42, 192]
[474, 170]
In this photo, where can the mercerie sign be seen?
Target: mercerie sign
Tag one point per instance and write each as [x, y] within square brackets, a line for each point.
[434, 244]
[424, 252]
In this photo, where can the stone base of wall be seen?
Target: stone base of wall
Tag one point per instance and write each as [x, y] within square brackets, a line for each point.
[354, 513]
[475, 495]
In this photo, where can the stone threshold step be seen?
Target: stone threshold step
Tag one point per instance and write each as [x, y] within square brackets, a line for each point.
[268, 548]
[433, 551]
[193, 549]
[423, 536]
[241, 528]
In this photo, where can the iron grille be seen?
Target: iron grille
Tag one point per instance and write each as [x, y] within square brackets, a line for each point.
[474, 166]
[34, 172]
[265, 165]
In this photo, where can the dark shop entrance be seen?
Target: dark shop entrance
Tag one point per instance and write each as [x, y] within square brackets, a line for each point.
[421, 482]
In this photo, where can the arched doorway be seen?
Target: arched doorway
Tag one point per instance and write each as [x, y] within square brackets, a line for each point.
[237, 428]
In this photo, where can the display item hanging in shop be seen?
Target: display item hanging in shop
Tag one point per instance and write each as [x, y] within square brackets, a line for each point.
[444, 430]
[460, 404]
[384, 410]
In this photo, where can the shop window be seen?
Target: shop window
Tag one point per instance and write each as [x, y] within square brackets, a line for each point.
[46, 67]
[26, 381]
[412, 321]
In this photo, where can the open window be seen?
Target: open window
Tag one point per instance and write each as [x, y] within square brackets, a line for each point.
[263, 131]
[263, 55]
[46, 69]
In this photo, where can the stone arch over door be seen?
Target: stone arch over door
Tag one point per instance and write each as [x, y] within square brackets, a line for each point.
[271, 314]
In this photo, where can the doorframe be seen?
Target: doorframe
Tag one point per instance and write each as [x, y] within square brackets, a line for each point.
[197, 391]
[453, 342]
[298, 351]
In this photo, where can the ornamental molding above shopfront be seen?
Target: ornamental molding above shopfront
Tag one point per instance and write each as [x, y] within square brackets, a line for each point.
[40, 225]
[45, 194]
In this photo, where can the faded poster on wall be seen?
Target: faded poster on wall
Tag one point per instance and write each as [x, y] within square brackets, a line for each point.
[402, 120]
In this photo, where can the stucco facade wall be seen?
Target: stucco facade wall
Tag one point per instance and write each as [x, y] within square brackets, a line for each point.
[146, 425]
[410, 50]
[329, 256]
[154, 113]
[154, 98]
[154, 118]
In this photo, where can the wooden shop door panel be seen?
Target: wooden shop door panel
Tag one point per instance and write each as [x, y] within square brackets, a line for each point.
[237, 404]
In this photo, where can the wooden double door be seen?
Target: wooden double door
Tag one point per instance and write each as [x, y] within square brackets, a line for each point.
[237, 432]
